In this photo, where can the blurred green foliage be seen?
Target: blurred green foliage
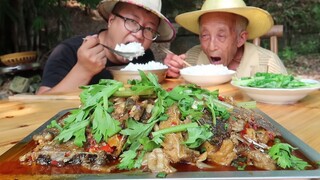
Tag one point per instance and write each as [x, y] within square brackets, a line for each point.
[301, 20]
[32, 24]
[287, 54]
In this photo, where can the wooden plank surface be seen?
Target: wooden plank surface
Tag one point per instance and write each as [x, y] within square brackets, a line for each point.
[20, 118]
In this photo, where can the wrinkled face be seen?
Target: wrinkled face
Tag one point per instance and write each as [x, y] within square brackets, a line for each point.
[117, 32]
[218, 37]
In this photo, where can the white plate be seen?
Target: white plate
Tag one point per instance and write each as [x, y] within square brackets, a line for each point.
[278, 95]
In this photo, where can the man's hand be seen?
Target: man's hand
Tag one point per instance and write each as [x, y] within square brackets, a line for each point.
[175, 63]
[91, 56]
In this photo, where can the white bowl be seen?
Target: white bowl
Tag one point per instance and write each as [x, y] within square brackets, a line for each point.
[278, 95]
[124, 76]
[204, 76]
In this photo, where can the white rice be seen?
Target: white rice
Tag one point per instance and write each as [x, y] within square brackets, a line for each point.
[151, 65]
[210, 69]
[133, 47]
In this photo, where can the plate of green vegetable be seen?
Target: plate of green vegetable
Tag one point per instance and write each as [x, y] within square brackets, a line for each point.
[274, 88]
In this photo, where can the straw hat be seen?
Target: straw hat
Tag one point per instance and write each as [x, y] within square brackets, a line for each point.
[165, 29]
[260, 21]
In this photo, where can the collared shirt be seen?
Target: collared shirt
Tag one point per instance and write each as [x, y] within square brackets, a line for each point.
[253, 56]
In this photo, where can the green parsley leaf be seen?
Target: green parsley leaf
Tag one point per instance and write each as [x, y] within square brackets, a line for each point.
[282, 154]
[94, 99]
[74, 130]
[54, 124]
[148, 145]
[161, 175]
[127, 161]
[138, 161]
[198, 135]
[103, 125]
[173, 129]
[136, 130]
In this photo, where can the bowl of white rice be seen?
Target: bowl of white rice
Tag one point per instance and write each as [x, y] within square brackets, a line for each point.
[207, 75]
[131, 71]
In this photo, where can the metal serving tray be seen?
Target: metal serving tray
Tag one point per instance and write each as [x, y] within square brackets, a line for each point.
[310, 153]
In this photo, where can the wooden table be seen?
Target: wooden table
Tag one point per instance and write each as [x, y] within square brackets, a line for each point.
[18, 118]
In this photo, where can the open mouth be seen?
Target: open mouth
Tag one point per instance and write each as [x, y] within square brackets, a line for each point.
[215, 60]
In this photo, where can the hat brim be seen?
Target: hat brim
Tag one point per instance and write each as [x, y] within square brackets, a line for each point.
[166, 30]
[260, 21]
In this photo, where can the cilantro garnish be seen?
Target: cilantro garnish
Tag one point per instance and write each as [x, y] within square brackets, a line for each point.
[138, 132]
[282, 154]
[193, 100]
[54, 124]
[161, 175]
[198, 135]
[94, 99]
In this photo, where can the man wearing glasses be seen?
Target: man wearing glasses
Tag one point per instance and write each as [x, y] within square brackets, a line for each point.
[83, 60]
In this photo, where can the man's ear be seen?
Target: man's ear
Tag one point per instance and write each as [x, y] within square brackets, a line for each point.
[242, 38]
[110, 19]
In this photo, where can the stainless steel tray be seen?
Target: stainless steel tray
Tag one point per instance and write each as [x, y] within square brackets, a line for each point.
[310, 153]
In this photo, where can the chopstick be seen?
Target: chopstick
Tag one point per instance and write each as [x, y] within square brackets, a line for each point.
[43, 97]
[167, 51]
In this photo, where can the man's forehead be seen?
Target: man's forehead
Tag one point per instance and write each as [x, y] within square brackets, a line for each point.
[218, 16]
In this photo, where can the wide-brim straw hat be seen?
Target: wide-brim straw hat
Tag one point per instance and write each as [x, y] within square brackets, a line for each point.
[165, 29]
[260, 21]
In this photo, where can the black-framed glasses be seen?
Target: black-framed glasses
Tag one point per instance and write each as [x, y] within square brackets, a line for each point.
[133, 26]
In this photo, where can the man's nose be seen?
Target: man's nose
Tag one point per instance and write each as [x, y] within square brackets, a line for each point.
[139, 34]
[212, 46]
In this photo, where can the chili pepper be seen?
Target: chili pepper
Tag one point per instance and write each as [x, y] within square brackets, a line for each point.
[107, 148]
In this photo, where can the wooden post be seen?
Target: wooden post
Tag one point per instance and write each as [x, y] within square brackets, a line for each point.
[275, 32]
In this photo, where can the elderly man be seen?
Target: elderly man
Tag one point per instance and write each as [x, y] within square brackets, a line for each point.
[223, 28]
[77, 62]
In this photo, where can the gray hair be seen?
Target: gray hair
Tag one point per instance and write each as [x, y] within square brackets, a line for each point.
[241, 24]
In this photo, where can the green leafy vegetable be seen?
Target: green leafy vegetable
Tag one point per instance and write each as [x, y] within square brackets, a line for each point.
[198, 135]
[149, 145]
[161, 175]
[103, 125]
[75, 130]
[54, 124]
[138, 132]
[193, 100]
[173, 129]
[282, 154]
[94, 98]
[128, 159]
[272, 80]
